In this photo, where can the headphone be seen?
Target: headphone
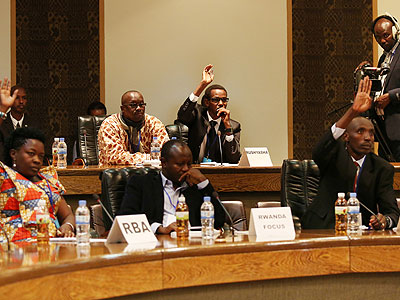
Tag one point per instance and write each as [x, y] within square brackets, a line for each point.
[395, 27]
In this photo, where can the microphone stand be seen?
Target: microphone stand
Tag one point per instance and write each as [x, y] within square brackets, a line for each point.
[220, 145]
[107, 213]
[86, 149]
[231, 227]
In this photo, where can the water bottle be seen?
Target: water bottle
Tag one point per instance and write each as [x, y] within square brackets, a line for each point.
[155, 149]
[54, 151]
[207, 219]
[353, 214]
[82, 220]
[42, 222]
[62, 154]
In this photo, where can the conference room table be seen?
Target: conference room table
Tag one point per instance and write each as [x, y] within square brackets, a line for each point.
[85, 181]
[316, 265]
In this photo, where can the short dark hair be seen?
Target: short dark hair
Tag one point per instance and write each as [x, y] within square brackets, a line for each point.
[18, 138]
[389, 18]
[168, 146]
[96, 105]
[16, 87]
[207, 93]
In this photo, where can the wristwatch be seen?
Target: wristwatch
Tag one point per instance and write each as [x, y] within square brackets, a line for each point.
[3, 115]
[229, 130]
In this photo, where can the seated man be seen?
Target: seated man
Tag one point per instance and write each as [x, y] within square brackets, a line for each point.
[17, 117]
[156, 195]
[207, 122]
[96, 108]
[125, 138]
[371, 178]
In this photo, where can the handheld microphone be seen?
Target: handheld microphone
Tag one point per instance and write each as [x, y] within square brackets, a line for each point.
[215, 195]
[105, 209]
[86, 148]
[220, 144]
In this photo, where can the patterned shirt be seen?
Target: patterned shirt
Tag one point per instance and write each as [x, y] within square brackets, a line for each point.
[113, 141]
[19, 197]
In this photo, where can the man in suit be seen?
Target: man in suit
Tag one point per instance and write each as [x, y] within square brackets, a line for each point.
[16, 117]
[210, 123]
[156, 194]
[371, 178]
[384, 29]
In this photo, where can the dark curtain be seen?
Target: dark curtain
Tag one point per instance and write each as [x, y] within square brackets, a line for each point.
[330, 39]
[57, 53]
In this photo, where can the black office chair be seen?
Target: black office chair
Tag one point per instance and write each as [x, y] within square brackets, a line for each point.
[178, 130]
[299, 186]
[88, 128]
[113, 182]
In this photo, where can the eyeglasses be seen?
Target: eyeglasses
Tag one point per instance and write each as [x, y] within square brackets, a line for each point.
[135, 106]
[216, 100]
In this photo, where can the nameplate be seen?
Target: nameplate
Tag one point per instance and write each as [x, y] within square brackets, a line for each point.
[271, 224]
[255, 157]
[131, 229]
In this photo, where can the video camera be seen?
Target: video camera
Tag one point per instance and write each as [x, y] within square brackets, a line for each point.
[373, 73]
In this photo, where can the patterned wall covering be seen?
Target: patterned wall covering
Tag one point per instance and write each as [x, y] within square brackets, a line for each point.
[57, 53]
[330, 39]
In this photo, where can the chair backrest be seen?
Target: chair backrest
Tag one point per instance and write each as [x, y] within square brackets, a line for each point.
[299, 184]
[178, 130]
[96, 219]
[88, 127]
[113, 182]
[264, 204]
[238, 214]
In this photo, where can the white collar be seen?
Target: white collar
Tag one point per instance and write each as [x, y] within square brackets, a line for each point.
[360, 161]
[15, 121]
[168, 183]
[211, 119]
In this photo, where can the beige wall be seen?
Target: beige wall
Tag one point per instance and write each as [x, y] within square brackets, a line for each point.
[5, 48]
[390, 6]
[161, 46]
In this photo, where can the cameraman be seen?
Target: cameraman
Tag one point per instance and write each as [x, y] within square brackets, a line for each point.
[386, 33]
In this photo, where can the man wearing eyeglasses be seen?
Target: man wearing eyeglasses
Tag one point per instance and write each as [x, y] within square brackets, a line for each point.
[125, 138]
[213, 135]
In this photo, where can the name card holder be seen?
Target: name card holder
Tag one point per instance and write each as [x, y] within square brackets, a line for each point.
[271, 224]
[131, 229]
[255, 157]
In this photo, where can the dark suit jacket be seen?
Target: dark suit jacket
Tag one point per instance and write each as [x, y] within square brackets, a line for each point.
[7, 127]
[144, 195]
[392, 86]
[375, 184]
[195, 117]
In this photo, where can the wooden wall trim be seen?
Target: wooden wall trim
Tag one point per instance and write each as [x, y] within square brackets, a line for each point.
[374, 43]
[290, 78]
[13, 42]
[102, 54]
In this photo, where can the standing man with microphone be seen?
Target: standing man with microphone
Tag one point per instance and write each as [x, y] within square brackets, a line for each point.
[213, 135]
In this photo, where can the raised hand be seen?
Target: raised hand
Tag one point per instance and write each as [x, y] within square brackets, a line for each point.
[6, 100]
[363, 101]
[208, 75]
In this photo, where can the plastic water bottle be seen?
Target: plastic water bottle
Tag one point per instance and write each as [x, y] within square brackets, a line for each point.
[353, 214]
[42, 222]
[207, 219]
[62, 154]
[182, 219]
[155, 149]
[54, 151]
[341, 215]
[82, 220]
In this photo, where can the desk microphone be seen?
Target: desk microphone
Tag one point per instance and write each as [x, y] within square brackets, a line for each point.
[105, 209]
[220, 144]
[215, 195]
[86, 148]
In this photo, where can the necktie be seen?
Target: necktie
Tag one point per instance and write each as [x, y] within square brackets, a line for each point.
[356, 177]
[211, 141]
[18, 126]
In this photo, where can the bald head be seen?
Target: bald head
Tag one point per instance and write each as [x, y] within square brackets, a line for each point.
[359, 137]
[133, 106]
[383, 33]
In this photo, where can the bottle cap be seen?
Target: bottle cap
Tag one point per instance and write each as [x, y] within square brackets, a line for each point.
[207, 198]
[353, 195]
[154, 138]
[340, 195]
[61, 139]
[56, 139]
[82, 202]
[173, 138]
[181, 199]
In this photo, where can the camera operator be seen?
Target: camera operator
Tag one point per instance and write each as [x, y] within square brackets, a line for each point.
[387, 102]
